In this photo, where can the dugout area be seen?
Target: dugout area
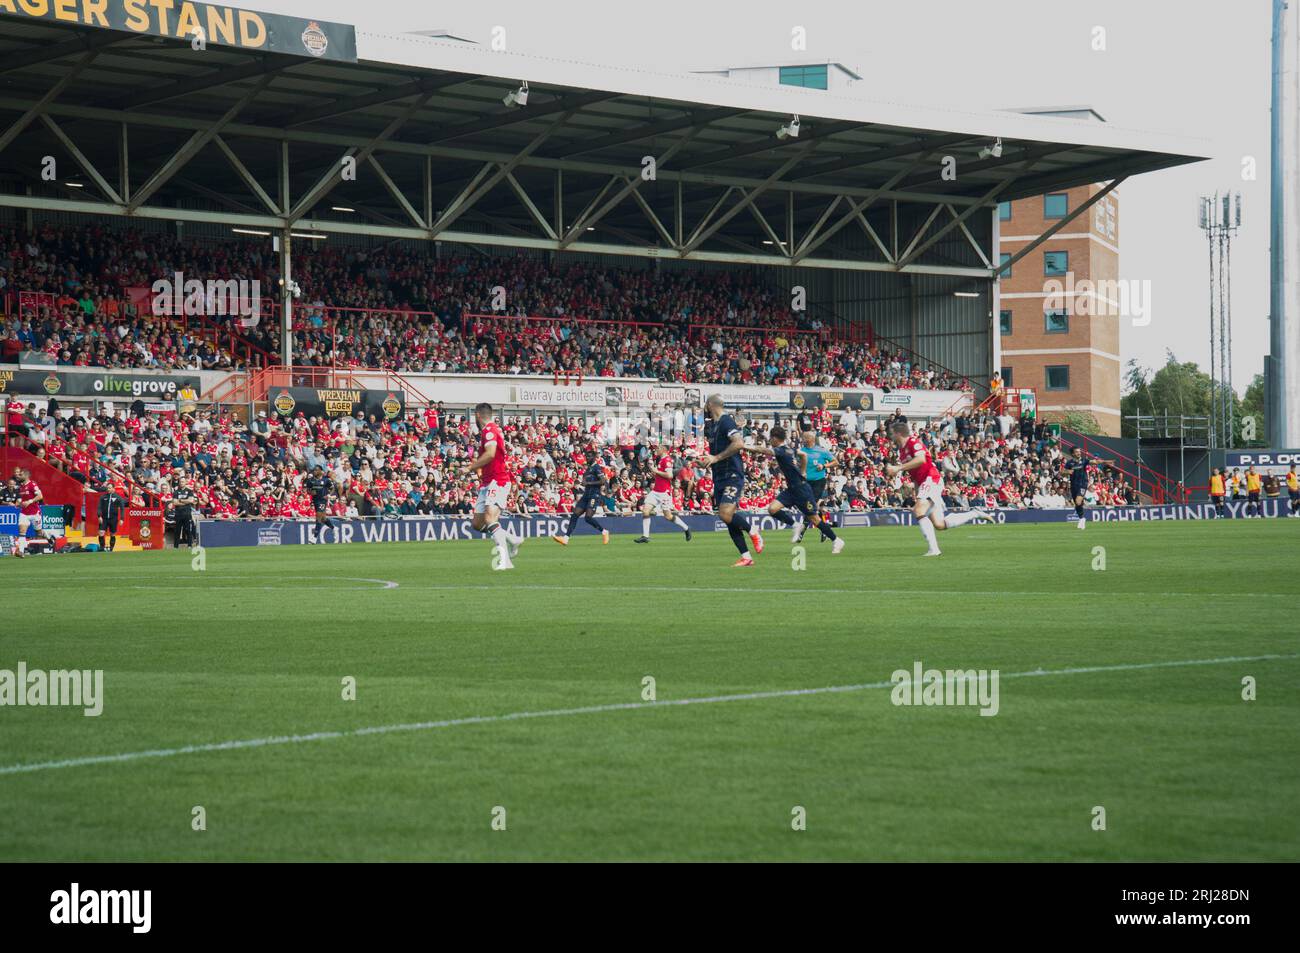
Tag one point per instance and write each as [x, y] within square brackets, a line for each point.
[883, 213]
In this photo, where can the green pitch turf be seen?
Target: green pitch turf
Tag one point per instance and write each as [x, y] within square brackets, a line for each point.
[1138, 708]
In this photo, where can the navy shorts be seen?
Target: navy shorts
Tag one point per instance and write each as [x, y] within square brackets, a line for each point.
[799, 500]
[1078, 488]
[588, 501]
[728, 490]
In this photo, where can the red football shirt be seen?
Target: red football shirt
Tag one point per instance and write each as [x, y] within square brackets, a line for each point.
[29, 498]
[927, 470]
[663, 484]
[497, 470]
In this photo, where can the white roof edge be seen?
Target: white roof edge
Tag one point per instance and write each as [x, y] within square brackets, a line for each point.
[394, 49]
[1077, 108]
[777, 64]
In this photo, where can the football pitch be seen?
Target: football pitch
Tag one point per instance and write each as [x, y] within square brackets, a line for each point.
[522, 700]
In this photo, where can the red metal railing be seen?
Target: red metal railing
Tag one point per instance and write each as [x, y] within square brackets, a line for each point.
[1154, 484]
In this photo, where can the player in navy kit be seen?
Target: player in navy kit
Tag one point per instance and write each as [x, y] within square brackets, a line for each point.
[726, 442]
[593, 486]
[1077, 464]
[798, 494]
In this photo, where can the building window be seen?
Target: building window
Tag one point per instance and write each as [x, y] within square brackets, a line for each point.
[1057, 322]
[1005, 269]
[1056, 205]
[1005, 374]
[1058, 376]
[1004, 322]
[810, 77]
[1004, 211]
[1056, 262]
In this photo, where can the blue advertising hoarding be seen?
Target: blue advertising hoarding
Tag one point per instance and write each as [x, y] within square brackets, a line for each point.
[430, 529]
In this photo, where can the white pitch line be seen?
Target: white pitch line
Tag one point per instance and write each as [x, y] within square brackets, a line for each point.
[32, 767]
[376, 585]
[624, 590]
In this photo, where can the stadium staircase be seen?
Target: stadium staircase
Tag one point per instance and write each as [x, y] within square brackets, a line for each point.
[1152, 486]
[60, 489]
[242, 350]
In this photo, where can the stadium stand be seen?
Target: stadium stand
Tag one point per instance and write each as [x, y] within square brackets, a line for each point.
[82, 297]
[415, 465]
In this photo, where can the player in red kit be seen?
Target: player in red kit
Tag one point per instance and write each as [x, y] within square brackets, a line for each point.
[29, 509]
[493, 464]
[660, 497]
[914, 460]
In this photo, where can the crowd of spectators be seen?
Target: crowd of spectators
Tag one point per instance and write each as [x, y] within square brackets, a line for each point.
[417, 464]
[392, 308]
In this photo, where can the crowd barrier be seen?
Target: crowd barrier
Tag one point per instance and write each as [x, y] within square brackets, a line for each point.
[428, 529]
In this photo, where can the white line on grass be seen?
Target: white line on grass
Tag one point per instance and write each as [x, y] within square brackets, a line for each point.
[585, 710]
[205, 583]
[861, 591]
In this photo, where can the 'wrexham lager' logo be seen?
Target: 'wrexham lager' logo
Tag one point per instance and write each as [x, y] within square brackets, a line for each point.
[284, 404]
[52, 384]
[392, 406]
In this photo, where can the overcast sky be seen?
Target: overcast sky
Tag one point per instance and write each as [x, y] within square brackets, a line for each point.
[1193, 68]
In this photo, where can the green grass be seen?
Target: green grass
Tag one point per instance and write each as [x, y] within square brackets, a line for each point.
[257, 645]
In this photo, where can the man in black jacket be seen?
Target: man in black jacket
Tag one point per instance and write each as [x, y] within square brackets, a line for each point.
[111, 507]
[185, 501]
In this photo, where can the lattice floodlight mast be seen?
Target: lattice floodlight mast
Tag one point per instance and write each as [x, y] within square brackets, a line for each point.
[1220, 218]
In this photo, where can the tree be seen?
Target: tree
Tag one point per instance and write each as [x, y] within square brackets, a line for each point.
[1251, 419]
[1080, 421]
[1175, 390]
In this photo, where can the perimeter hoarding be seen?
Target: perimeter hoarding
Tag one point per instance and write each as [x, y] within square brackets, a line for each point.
[336, 402]
[104, 385]
[429, 529]
[1264, 461]
[185, 20]
[831, 400]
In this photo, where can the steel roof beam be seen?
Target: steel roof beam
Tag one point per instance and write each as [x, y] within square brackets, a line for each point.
[463, 238]
[239, 129]
[514, 115]
[84, 43]
[211, 79]
[636, 133]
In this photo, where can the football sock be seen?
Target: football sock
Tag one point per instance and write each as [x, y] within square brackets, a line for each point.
[927, 530]
[782, 516]
[499, 534]
[737, 536]
[573, 521]
[740, 520]
[591, 521]
[680, 523]
[827, 531]
[1078, 509]
[959, 519]
[645, 526]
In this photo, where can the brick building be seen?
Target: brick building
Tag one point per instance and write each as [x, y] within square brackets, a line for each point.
[1058, 310]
